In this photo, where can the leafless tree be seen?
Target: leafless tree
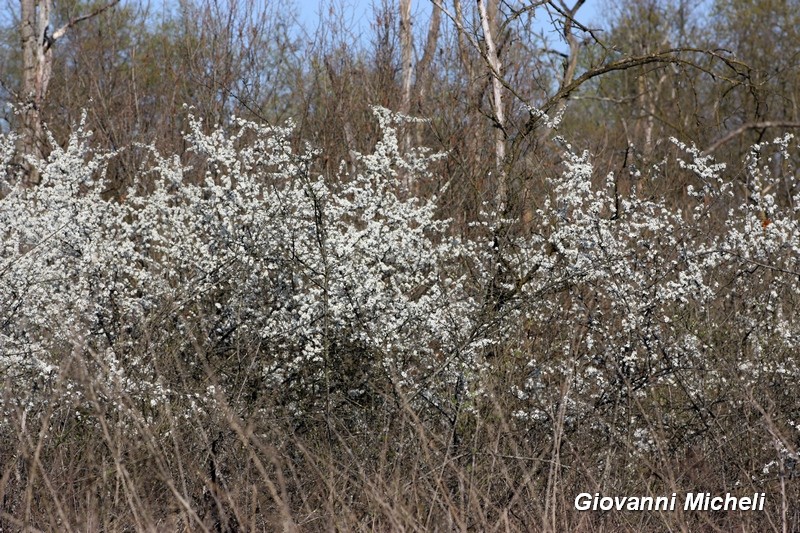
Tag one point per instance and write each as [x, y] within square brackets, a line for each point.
[38, 39]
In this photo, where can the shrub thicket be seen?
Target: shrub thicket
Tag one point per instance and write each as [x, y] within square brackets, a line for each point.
[242, 343]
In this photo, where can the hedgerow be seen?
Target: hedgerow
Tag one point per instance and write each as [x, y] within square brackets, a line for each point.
[233, 278]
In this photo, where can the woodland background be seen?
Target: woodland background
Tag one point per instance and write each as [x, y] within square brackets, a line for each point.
[489, 406]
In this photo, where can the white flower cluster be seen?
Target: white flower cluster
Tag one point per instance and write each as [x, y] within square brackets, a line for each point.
[627, 299]
[310, 273]
[332, 284]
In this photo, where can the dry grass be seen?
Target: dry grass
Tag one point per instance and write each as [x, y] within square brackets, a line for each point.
[111, 463]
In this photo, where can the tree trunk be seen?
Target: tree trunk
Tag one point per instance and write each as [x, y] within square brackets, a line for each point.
[488, 24]
[406, 52]
[36, 68]
[37, 39]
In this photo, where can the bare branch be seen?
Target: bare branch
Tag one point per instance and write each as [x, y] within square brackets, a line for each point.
[73, 21]
[669, 56]
[569, 15]
[747, 127]
[574, 48]
[457, 20]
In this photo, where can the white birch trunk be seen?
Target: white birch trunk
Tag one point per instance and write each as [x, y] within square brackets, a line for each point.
[496, 71]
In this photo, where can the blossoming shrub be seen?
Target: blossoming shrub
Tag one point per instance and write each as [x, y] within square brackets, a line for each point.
[644, 332]
[233, 281]
[338, 285]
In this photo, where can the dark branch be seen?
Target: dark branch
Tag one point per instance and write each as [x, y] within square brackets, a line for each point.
[59, 33]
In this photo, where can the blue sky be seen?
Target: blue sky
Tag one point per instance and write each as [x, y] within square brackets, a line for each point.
[357, 15]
